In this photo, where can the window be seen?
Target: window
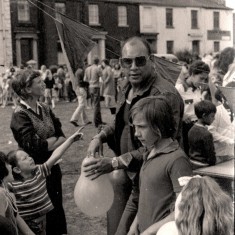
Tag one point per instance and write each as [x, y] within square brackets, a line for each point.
[147, 17]
[216, 46]
[93, 14]
[23, 11]
[194, 23]
[169, 17]
[60, 7]
[122, 16]
[216, 19]
[169, 47]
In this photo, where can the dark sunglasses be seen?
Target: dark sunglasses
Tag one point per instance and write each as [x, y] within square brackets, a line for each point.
[139, 61]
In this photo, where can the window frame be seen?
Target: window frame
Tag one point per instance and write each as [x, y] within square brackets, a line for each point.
[194, 19]
[216, 19]
[60, 7]
[23, 15]
[93, 19]
[169, 18]
[216, 44]
[122, 16]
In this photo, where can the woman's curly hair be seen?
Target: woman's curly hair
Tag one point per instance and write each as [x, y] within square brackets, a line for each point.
[22, 81]
[204, 209]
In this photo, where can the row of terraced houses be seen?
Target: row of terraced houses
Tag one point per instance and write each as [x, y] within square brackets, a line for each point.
[168, 25]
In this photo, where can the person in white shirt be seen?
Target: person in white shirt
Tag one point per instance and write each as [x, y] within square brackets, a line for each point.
[191, 93]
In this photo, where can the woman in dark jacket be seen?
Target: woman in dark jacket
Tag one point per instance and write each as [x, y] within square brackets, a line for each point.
[38, 132]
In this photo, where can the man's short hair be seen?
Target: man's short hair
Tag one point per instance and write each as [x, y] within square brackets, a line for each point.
[135, 39]
[105, 61]
[204, 107]
[96, 60]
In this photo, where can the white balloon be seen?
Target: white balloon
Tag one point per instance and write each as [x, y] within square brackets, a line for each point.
[93, 197]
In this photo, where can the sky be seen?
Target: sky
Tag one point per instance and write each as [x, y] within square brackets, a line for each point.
[231, 3]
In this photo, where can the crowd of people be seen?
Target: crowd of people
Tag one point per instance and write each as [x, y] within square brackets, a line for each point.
[161, 132]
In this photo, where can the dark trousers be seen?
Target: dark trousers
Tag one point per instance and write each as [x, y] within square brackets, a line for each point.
[95, 97]
[122, 189]
[125, 205]
[129, 213]
[55, 219]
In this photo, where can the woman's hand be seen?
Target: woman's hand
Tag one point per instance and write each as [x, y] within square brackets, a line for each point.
[97, 167]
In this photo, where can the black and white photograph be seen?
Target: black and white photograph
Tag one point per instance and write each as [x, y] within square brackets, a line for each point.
[117, 117]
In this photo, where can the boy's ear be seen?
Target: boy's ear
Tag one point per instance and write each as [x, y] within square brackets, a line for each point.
[16, 170]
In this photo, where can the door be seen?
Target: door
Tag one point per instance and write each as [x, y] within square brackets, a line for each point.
[26, 49]
[196, 47]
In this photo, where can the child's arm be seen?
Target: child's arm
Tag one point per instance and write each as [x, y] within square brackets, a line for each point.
[153, 229]
[23, 227]
[60, 140]
[56, 155]
[134, 227]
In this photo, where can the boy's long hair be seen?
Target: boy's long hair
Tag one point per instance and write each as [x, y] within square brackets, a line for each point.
[158, 114]
[204, 209]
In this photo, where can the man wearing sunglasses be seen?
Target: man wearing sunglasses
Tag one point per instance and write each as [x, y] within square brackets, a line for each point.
[142, 81]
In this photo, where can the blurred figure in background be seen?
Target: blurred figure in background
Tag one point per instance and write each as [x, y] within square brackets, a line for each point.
[109, 86]
[49, 93]
[118, 77]
[43, 72]
[81, 92]
[92, 76]
[191, 93]
[219, 69]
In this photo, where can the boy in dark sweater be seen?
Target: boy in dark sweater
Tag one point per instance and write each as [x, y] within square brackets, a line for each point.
[201, 146]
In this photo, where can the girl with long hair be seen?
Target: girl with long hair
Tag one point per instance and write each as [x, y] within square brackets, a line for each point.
[202, 208]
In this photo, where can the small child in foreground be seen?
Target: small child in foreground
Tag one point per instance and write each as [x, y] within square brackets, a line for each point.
[29, 185]
[201, 145]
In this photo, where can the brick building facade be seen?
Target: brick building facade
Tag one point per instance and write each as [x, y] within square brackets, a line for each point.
[34, 34]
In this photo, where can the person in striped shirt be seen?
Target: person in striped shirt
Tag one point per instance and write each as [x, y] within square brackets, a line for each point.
[29, 185]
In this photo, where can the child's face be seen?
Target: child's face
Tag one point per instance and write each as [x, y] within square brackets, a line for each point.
[24, 162]
[208, 119]
[199, 78]
[143, 132]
